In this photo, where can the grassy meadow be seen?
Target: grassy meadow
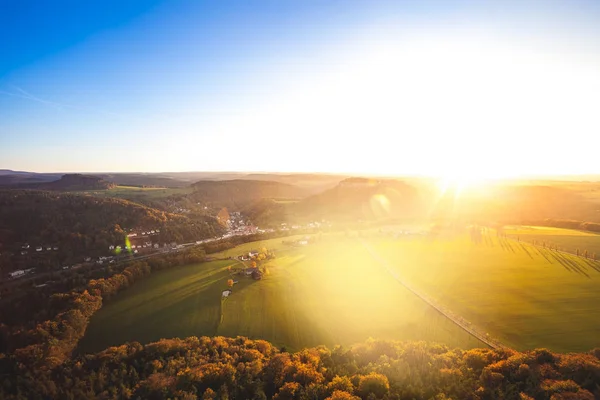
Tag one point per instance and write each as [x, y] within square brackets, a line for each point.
[335, 292]
[330, 292]
[568, 240]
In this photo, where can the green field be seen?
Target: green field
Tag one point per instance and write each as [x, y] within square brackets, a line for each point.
[328, 293]
[566, 239]
[335, 292]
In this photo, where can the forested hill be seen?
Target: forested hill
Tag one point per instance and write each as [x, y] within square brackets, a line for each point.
[237, 193]
[67, 182]
[71, 182]
[239, 368]
[366, 199]
[84, 224]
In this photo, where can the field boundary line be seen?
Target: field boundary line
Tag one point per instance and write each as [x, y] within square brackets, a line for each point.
[466, 326]
[538, 246]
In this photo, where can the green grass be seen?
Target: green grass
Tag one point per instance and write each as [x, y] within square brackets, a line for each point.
[568, 240]
[335, 292]
[525, 296]
[326, 293]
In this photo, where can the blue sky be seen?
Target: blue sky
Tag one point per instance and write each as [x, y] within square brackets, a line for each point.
[400, 87]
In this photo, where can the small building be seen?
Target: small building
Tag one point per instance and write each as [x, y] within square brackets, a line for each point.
[111, 247]
[25, 246]
[55, 248]
[39, 248]
[23, 252]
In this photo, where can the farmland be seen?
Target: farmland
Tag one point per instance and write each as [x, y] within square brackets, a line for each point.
[329, 293]
[568, 240]
[334, 292]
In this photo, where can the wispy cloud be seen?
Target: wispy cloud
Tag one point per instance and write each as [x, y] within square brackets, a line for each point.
[23, 94]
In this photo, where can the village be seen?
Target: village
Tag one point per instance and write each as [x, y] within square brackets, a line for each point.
[140, 242]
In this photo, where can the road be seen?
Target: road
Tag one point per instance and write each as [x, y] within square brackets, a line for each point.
[461, 322]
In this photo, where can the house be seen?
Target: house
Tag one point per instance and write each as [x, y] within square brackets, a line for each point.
[111, 247]
[41, 285]
[48, 248]
[23, 252]
[152, 232]
[25, 246]
[39, 248]
[66, 267]
[87, 259]
[156, 245]
[157, 231]
[55, 248]
[17, 273]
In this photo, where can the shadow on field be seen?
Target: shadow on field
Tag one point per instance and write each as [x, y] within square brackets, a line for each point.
[543, 255]
[525, 250]
[592, 264]
[569, 264]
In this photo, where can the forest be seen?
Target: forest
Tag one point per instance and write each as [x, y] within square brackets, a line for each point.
[239, 368]
[82, 226]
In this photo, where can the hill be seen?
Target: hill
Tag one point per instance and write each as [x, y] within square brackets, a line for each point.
[85, 225]
[67, 182]
[352, 199]
[10, 177]
[363, 199]
[72, 182]
[238, 193]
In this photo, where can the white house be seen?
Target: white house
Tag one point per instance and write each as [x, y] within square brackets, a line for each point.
[39, 248]
[55, 248]
[111, 247]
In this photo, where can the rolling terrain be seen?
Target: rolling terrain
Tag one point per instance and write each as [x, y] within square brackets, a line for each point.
[334, 291]
[330, 292]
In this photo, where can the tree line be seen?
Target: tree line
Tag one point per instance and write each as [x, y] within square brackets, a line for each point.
[43, 344]
[239, 368]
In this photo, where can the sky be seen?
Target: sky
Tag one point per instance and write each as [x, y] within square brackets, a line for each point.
[466, 89]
